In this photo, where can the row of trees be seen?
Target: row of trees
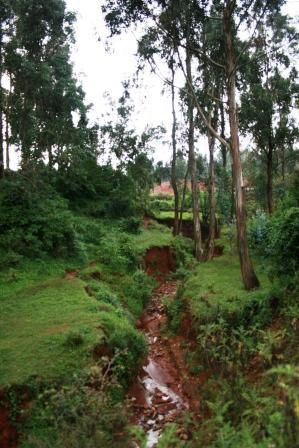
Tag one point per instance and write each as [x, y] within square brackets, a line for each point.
[42, 110]
[229, 52]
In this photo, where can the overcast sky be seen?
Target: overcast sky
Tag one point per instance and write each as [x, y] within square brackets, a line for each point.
[103, 71]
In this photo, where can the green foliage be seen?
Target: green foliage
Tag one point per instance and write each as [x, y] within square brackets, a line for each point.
[74, 339]
[161, 204]
[118, 251]
[242, 414]
[225, 348]
[81, 413]
[174, 310]
[185, 261]
[137, 291]
[284, 241]
[214, 290]
[122, 336]
[235, 342]
[223, 194]
[277, 239]
[131, 225]
[34, 220]
[169, 438]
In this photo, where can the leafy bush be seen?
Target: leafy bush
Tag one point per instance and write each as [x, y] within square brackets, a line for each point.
[118, 252]
[224, 347]
[277, 239]
[80, 414]
[184, 255]
[284, 241]
[34, 220]
[244, 415]
[131, 225]
[122, 336]
[162, 204]
[174, 310]
[137, 291]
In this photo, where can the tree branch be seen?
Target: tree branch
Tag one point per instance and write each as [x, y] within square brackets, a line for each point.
[199, 109]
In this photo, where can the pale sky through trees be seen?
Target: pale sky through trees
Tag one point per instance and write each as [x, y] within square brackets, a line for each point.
[100, 71]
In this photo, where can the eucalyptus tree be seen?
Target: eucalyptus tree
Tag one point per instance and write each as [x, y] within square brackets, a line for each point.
[44, 92]
[269, 93]
[162, 36]
[129, 149]
[174, 183]
[6, 16]
[234, 16]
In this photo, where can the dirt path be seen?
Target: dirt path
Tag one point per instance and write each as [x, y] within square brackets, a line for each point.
[163, 389]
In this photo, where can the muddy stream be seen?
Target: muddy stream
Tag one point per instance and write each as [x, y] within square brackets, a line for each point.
[163, 389]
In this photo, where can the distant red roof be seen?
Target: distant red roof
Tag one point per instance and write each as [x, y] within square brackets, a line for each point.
[166, 188]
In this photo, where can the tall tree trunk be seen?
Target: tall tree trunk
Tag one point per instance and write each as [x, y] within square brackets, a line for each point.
[232, 198]
[270, 175]
[7, 142]
[174, 154]
[1, 108]
[7, 115]
[212, 201]
[249, 277]
[183, 200]
[192, 161]
[222, 122]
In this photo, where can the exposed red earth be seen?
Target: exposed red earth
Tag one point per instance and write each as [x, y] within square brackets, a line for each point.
[159, 262]
[164, 388]
[8, 433]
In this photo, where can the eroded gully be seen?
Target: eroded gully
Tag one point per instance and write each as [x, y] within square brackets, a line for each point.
[164, 389]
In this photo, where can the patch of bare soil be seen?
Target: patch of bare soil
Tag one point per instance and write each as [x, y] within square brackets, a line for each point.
[9, 422]
[70, 275]
[164, 388]
[8, 432]
[159, 262]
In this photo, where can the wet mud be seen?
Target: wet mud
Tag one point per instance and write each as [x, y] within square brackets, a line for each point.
[164, 389]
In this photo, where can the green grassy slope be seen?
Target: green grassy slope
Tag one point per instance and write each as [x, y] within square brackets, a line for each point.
[36, 324]
[215, 288]
[43, 313]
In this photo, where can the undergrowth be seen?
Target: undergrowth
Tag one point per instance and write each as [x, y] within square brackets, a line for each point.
[62, 318]
[245, 342]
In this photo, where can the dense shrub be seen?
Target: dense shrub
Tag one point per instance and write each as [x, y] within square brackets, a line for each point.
[123, 337]
[80, 414]
[131, 225]
[162, 204]
[277, 239]
[34, 219]
[117, 251]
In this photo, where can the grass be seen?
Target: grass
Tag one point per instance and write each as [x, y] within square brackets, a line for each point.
[155, 235]
[187, 216]
[29, 273]
[35, 325]
[49, 324]
[215, 288]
